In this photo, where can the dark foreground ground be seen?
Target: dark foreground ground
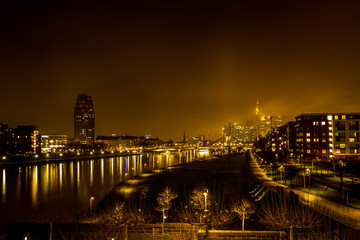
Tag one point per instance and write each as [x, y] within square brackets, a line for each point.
[226, 179]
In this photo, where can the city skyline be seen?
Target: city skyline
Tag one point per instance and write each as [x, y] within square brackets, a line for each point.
[159, 68]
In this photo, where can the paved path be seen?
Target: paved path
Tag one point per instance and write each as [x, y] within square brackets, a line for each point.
[346, 215]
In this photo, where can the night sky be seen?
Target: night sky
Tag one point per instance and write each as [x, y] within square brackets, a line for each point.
[162, 67]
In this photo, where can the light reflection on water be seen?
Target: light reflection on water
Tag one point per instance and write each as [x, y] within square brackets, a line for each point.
[91, 172]
[28, 192]
[3, 185]
[34, 186]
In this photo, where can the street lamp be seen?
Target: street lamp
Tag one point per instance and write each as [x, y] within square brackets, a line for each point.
[205, 193]
[308, 173]
[91, 203]
[304, 179]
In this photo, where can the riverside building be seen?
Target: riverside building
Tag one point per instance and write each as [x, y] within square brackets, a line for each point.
[53, 143]
[84, 120]
[328, 135]
[26, 140]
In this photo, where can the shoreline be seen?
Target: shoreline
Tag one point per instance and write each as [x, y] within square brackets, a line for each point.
[25, 162]
[28, 161]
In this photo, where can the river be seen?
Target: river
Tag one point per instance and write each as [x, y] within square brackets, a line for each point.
[60, 190]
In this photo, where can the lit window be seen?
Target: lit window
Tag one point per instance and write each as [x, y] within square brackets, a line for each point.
[351, 139]
[342, 145]
[308, 140]
[323, 123]
[308, 151]
[336, 117]
[329, 117]
[343, 117]
[323, 140]
[324, 151]
[308, 134]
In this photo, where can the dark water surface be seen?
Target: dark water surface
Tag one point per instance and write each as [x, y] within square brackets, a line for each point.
[61, 190]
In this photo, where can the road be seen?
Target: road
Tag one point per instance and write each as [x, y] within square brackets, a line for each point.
[346, 215]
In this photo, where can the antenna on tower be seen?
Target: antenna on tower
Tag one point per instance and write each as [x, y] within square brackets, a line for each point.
[257, 110]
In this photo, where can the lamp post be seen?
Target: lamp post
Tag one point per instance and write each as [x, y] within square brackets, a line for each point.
[333, 162]
[205, 210]
[308, 173]
[205, 193]
[342, 164]
[304, 179]
[163, 225]
[91, 204]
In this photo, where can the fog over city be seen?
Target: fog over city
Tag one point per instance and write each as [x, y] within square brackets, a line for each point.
[162, 67]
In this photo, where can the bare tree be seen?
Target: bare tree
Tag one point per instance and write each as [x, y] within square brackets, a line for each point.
[282, 212]
[244, 208]
[133, 211]
[117, 215]
[3, 233]
[138, 211]
[212, 209]
[164, 199]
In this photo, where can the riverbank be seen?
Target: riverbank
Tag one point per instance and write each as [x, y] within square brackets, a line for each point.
[44, 159]
[29, 161]
[224, 179]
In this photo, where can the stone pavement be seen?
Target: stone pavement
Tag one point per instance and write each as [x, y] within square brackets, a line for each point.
[346, 215]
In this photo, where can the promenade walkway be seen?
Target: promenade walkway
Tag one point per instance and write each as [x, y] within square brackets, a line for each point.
[346, 215]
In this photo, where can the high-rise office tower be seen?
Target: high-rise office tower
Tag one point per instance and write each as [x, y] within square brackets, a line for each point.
[263, 122]
[239, 132]
[84, 120]
[249, 132]
[228, 129]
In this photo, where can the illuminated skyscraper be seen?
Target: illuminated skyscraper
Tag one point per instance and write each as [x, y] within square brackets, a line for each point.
[249, 132]
[228, 130]
[84, 120]
[257, 110]
[265, 123]
[233, 133]
[239, 132]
